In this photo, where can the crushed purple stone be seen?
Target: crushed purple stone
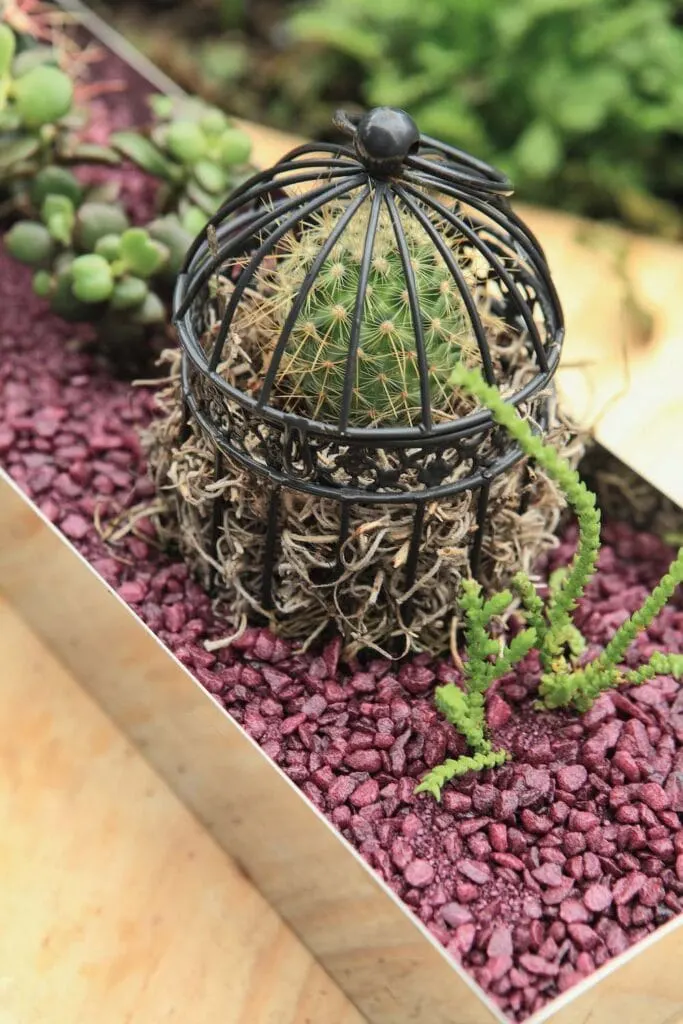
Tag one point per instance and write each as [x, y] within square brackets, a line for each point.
[533, 875]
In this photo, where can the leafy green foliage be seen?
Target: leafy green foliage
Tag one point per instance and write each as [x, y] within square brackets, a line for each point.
[566, 680]
[581, 101]
[465, 709]
[91, 263]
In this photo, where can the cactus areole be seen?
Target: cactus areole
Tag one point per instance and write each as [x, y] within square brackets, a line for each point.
[322, 314]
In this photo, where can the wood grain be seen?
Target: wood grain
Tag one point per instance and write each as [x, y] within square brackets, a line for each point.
[116, 905]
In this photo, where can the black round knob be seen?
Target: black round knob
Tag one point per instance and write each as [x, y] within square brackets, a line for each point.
[384, 137]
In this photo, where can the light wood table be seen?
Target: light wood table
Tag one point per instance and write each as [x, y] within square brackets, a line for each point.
[115, 905]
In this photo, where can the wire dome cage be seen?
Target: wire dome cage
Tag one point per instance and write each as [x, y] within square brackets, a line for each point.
[320, 315]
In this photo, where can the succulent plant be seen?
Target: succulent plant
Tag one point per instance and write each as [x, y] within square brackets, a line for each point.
[196, 151]
[38, 122]
[91, 264]
[387, 378]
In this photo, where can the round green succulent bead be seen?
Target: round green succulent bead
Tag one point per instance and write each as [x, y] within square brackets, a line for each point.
[214, 122]
[43, 95]
[56, 181]
[171, 233]
[109, 246]
[43, 283]
[210, 176]
[95, 220]
[142, 254]
[29, 242]
[194, 220]
[128, 293]
[93, 280]
[186, 141]
[234, 147]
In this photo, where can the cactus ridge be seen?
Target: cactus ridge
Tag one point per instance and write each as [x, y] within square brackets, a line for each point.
[387, 378]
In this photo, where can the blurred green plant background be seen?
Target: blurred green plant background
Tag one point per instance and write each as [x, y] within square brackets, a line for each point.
[580, 101]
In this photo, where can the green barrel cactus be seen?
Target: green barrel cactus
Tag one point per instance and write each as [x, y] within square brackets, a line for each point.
[387, 374]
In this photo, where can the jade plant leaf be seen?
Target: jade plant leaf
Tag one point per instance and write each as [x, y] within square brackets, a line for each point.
[18, 151]
[94, 220]
[55, 181]
[91, 153]
[128, 293]
[109, 246]
[235, 147]
[140, 253]
[43, 95]
[146, 155]
[186, 141]
[92, 276]
[210, 176]
[59, 215]
[29, 242]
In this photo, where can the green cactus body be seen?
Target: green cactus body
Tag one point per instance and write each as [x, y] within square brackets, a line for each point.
[387, 378]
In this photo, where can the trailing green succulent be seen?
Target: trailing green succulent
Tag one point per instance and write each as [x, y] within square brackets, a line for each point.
[195, 150]
[466, 709]
[387, 375]
[92, 265]
[38, 122]
[567, 680]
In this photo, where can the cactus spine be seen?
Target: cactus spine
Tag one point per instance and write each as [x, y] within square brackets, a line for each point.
[387, 379]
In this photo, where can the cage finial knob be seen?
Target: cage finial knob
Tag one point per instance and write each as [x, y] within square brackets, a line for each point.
[382, 138]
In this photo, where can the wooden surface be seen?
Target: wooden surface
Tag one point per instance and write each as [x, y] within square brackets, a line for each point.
[115, 905]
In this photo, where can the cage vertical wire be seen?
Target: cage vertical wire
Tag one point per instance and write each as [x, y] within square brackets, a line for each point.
[388, 182]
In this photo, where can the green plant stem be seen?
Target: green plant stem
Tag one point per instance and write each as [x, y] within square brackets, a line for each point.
[615, 650]
[575, 491]
[434, 781]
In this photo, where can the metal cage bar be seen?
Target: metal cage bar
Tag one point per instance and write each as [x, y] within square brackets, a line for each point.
[443, 190]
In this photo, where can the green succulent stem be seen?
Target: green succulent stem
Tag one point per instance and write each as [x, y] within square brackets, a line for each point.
[626, 633]
[550, 628]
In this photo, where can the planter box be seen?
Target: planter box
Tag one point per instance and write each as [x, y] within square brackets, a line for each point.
[379, 954]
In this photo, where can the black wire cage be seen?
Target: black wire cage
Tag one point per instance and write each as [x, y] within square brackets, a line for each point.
[303, 428]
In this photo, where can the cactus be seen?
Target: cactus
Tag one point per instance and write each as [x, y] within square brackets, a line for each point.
[387, 378]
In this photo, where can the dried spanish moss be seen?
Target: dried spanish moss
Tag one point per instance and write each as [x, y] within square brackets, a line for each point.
[367, 598]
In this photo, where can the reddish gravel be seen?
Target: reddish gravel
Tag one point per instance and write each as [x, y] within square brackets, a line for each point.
[533, 875]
